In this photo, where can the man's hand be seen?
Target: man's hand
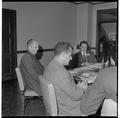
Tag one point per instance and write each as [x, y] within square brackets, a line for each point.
[85, 64]
[83, 85]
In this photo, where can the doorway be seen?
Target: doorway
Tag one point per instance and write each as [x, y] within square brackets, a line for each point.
[106, 42]
[9, 46]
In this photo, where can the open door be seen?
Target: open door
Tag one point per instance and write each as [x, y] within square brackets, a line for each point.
[9, 51]
[107, 34]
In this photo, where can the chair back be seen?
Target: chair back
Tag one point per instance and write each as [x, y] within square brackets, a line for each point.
[109, 108]
[20, 78]
[49, 97]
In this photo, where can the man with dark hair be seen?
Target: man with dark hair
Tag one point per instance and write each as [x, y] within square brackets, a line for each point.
[85, 56]
[31, 68]
[82, 55]
[67, 92]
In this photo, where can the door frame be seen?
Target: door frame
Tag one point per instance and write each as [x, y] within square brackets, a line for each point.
[7, 76]
[99, 24]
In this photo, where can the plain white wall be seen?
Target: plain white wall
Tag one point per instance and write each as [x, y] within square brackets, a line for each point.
[84, 19]
[89, 31]
[49, 22]
[82, 22]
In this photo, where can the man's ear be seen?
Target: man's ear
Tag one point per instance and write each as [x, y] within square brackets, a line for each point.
[62, 55]
[29, 48]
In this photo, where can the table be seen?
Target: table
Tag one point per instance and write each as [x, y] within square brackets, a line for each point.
[87, 73]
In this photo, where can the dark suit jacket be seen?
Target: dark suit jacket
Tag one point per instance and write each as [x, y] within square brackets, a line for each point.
[90, 57]
[73, 63]
[31, 68]
[67, 92]
[105, 86]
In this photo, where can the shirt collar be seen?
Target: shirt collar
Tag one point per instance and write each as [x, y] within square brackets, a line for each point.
[83, 52]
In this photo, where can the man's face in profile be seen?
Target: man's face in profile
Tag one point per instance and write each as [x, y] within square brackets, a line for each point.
[35, 47]
[67, 57]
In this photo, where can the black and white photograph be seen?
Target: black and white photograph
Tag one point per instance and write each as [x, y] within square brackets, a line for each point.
[59, 58]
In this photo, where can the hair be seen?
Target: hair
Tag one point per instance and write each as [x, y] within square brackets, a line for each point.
[84, 42]
[62, 47]
[30, 41]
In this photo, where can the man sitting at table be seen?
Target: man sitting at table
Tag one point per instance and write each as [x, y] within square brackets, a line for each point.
[104, 87]
[67, 92]
[31, 68]
[84, 55]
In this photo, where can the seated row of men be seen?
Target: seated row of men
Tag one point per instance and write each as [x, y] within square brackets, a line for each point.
[73, 99]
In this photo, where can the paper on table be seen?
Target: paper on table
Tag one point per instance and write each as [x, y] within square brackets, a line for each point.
[112, 61]
[90, 77]
[81, 69]
[73, 73]
[95, 66]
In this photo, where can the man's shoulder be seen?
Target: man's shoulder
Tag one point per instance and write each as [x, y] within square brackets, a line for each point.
[79, 53]
[26, 56]
[109, 73]
[54, 68]
[53, 71]
[90, 51]
[109, 70]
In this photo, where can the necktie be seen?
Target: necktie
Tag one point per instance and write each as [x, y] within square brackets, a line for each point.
[84, 56]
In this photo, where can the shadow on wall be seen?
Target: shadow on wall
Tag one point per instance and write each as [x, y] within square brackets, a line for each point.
[39, 53]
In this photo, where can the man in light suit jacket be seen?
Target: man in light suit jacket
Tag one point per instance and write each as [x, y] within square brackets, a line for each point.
[31, 68]
[67, 92]
[85, 56]
[104, 87]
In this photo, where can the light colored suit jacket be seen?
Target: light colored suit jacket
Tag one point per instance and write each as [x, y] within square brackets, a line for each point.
[31, 68]
[105, 86]
[90, 57]
[67, 92]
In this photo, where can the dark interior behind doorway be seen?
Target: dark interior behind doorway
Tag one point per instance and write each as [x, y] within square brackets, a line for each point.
[9, 46]
[107, 34]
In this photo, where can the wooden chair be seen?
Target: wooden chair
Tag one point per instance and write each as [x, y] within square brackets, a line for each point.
[27, 94]
[49, 97]
[109, 108]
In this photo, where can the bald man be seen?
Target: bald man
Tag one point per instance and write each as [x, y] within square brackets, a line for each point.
[31, 68]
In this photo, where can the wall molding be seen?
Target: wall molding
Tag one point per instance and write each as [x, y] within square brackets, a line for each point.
[43, 50]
